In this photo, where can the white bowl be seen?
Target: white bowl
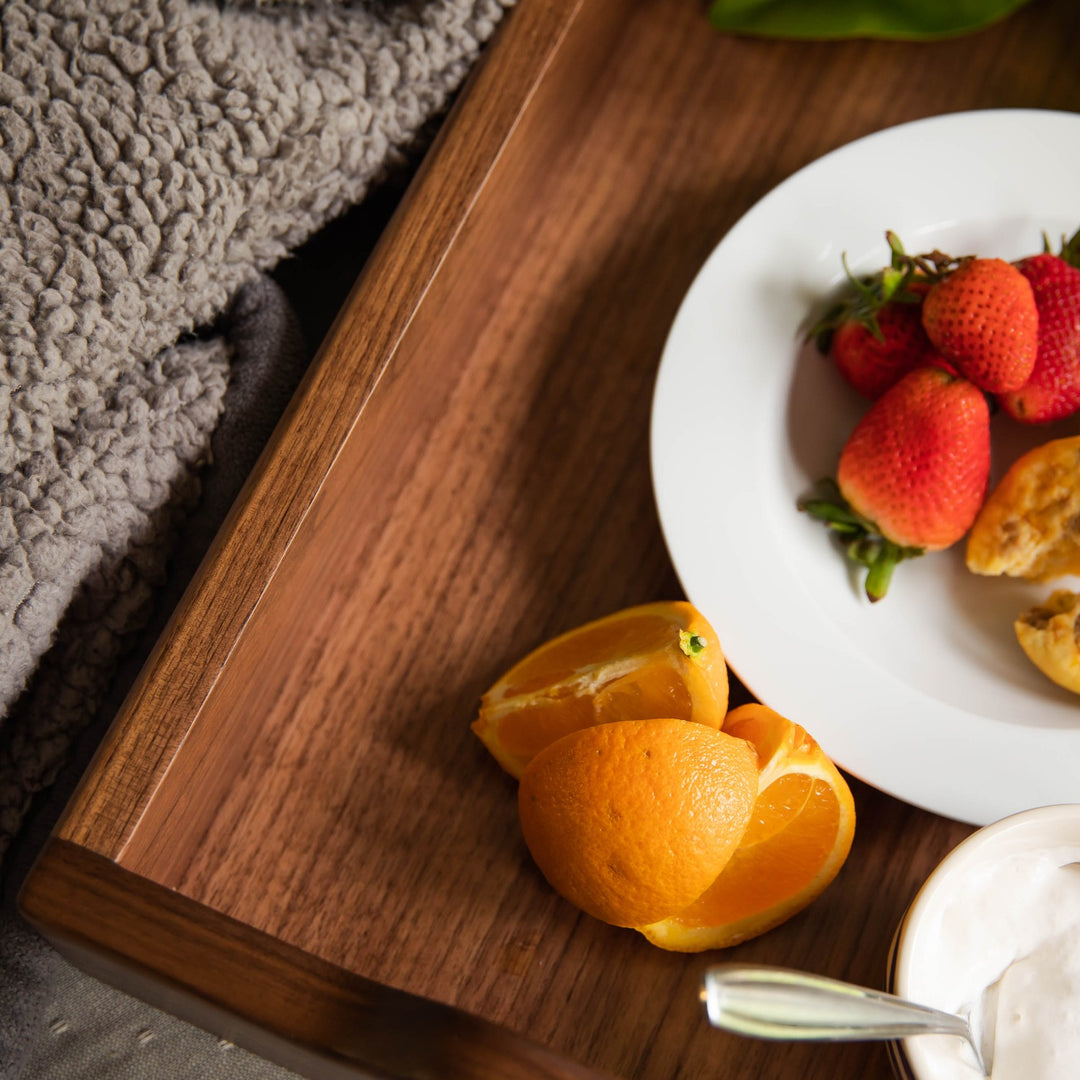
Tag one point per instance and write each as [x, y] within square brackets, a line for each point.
[944, 942]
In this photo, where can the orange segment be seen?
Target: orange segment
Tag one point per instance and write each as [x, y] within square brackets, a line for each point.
[654, 660]
[634, 819]
[799, 835]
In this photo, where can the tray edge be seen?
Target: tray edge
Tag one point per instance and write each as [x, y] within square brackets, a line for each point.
[164, 703]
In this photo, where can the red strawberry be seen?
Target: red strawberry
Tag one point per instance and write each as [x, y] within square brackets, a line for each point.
[874, 334]
[1053, 390]
[982, 318]
[912, 475]
[873, 361]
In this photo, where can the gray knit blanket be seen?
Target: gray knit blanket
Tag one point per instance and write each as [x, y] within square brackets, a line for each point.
[155, 156]
[157, 159]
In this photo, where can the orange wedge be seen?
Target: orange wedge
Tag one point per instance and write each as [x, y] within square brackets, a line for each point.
[800, 833]
[654, 660]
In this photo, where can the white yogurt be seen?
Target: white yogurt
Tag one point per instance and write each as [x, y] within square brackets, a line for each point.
[997, 939]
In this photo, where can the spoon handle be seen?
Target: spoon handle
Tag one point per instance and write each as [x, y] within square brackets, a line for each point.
[777, 1003]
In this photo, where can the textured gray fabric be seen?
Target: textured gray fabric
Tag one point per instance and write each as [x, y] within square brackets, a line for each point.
[55, 1021]
[92, 1033]
[28, 970]
[155, 159]
[154, 156]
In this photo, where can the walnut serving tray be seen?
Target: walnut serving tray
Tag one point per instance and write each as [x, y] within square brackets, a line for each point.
[290, 835]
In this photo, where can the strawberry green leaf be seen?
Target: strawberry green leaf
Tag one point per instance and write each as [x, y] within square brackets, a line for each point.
[866, 296]
[896, 248]
[1070, 249]
[864, 550]
[892, 280]
[863, 543]
[831, 513]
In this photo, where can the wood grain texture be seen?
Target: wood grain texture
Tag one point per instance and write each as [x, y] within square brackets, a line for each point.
[268, 512]
[310, 1015]
[465, 474]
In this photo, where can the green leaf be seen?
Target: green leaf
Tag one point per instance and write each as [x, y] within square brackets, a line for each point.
[1070, 249]
[829, 511]
[833, 19]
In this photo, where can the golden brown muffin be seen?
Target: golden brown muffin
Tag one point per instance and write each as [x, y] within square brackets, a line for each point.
[1048, 634]
[1029, 526]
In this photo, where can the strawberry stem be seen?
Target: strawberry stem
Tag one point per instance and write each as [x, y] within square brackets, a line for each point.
[863, 542]
[880, 573]
[866, 296]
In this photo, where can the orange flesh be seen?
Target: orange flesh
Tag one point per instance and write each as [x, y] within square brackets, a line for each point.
[635, 664]
[650, 690]
[608, 640]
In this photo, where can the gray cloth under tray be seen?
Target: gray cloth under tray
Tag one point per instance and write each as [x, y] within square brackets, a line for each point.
[55, 1022]
[157, 158]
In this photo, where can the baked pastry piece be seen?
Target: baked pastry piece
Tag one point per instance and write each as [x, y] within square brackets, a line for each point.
[1029, 526]
[1048, 634]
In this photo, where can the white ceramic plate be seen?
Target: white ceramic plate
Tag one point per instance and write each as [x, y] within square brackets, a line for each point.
[925, 695]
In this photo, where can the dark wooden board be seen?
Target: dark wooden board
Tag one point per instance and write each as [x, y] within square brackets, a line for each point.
[292, 783]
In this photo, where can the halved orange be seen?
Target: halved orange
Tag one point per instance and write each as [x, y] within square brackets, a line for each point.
[653, 660]
[800, 833]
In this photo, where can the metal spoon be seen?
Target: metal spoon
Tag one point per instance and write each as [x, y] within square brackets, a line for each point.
[777, 1003]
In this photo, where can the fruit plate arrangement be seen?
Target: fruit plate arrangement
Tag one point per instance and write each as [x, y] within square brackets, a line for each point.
[925, 695]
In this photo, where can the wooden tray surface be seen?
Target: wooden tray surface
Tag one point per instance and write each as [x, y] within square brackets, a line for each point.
[290, 834]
